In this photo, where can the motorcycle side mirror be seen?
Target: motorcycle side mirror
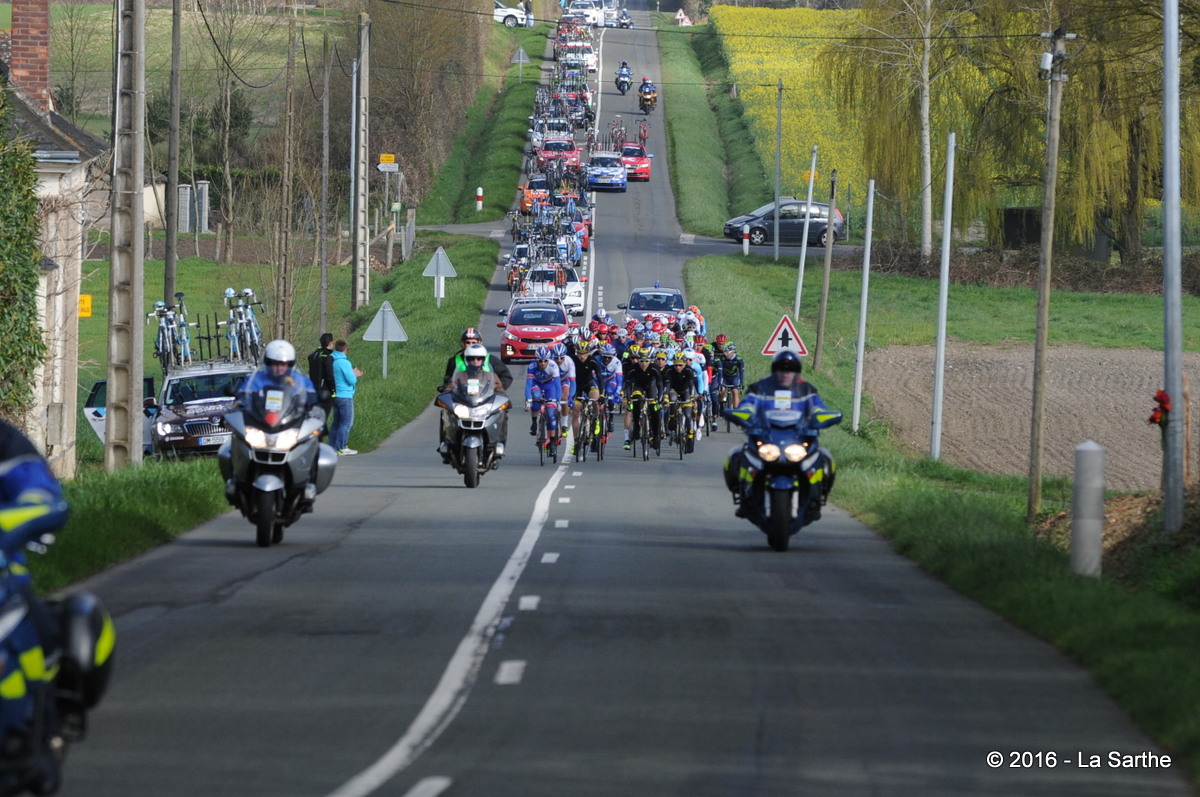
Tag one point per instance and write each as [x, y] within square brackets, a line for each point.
[501, 324]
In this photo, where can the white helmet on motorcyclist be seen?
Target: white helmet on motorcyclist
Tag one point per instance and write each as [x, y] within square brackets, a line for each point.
[475, 355]
[279, 357]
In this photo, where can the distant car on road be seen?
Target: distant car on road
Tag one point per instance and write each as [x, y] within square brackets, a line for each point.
[530, 323]
[791, 223]
[656, 301]
[563, 149]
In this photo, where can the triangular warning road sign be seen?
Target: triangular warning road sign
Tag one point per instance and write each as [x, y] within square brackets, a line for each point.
[785, 338]
[386, 326]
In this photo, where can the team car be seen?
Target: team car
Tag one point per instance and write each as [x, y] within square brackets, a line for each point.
[656, 302]
[606, 170]
[531, 322]
[637, 161]
[545, 280]
[563, 149]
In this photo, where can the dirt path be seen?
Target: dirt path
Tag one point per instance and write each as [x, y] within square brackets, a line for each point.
[1101, 394]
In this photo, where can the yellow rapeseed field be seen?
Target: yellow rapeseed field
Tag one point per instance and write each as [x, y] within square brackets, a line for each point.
[764, 46]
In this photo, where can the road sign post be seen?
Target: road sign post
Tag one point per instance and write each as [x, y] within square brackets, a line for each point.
[385, 327]
[439, 268]
[784, 338]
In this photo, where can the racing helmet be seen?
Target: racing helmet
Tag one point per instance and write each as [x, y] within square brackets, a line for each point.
[559, 350]
[722, 338]
[786, 360]
[608, 350]
[680, 359]
[542, 353]
[471, 334]
[731, 348]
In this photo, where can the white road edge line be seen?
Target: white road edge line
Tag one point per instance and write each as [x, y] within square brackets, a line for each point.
[461, 673]
[429, 787]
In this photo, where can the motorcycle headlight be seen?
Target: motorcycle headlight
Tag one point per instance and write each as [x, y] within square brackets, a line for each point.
[287, 439]
[769, 452]
[462, 411]
[255, 438]
[795, 452]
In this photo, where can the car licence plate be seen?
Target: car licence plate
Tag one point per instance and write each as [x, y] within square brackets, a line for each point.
[212, 440]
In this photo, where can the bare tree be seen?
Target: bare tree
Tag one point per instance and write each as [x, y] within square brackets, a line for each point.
[74, 36]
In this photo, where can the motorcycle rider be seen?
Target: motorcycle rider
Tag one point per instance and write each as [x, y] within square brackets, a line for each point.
[625, 20]
[471, 336]
[31, 504]
[647, 91]
[624, 77]
[785, 389]
[278, 369]
[456, 363]
[476, 365]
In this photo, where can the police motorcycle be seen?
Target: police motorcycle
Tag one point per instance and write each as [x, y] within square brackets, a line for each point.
[781, 477]
[624, 80]
[274, 464]
[473, 416]
[625, 21]
[47, 685]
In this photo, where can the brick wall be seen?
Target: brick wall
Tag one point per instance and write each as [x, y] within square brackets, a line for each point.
[30, 61]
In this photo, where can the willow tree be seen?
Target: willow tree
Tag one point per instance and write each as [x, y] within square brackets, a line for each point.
[895, 68]
[1111, 131]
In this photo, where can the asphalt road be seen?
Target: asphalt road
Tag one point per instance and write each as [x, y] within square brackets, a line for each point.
[601, 629]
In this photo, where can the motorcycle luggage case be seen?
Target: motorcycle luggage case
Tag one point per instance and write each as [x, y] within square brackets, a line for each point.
[326, 463]
[88, 642]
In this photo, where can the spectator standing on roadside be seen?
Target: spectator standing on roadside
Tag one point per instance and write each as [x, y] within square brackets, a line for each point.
[320, 370]
[345, 379]
[529, 13]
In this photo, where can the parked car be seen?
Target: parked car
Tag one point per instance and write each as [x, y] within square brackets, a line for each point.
[791, 223]
[655, 301]
[95, 409]
[606, 170]
[509, 17]
[637, 161]
[529, 323]
[187, 415]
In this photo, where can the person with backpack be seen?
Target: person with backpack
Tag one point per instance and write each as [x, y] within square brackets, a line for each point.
[320, 371]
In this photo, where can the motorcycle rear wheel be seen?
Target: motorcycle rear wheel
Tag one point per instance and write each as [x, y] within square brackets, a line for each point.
[779, 526]
[266, 520]
[471, 467]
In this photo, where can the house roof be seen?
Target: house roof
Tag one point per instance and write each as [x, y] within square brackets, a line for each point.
[55, 138]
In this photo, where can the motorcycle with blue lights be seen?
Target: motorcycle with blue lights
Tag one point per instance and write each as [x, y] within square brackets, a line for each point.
[55, 657]
[781, 477]
[274, 464]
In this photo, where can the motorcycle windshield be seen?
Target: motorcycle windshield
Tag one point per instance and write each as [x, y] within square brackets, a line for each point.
[474, 390]
[275, 404]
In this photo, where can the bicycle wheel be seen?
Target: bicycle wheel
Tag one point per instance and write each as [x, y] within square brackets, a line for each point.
[541, 438]
[684, 430]
[644, 433]
[162, 349]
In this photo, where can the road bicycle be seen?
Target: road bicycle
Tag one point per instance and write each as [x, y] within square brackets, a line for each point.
[643, 132]
[172, 344]
[546, 445]
[242, 329]
[590, 433]
[678, 425]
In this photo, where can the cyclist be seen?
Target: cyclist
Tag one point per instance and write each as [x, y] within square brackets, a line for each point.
[614, 377]
[543, 390]
[560, 353]
[589, 381]
[640, 382]
[679, 384]
[729, 372]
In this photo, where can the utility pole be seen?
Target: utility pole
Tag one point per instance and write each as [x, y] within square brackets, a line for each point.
[360, 281]
[1052, 66]
[778, 155]
[1173, 450]
[171, 216]
[126, 292]
[324, 224]
[829, 238]
[283, 280]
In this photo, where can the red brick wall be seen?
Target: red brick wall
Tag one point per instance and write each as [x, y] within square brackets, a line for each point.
[30, 64]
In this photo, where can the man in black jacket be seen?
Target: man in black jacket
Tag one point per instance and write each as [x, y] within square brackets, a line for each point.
[320, 371]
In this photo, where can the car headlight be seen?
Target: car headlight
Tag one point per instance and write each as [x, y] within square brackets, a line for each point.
[510, 336]
[769, 452]
[165, 429]
[795, 452]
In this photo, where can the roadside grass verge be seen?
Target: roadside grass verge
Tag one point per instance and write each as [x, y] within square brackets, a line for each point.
[715, 170]
[967, 528]
[490, 151]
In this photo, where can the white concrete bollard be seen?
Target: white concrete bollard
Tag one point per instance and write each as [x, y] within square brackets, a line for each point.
[1087, 510]
[745, 239]
[479, 198]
